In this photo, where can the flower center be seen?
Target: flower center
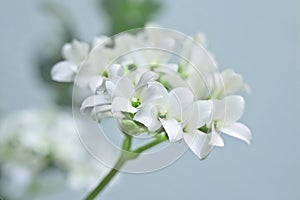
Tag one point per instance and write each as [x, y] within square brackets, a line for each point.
[204, 129]
[162, 114]
[135, 102]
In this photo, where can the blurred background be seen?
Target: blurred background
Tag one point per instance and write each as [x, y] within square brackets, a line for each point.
[259, 39]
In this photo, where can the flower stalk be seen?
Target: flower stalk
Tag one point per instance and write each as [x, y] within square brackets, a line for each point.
[127, 154]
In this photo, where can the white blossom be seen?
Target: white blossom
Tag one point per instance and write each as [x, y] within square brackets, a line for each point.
[218, 116]
[33, 140]
[73, 53]
[133, 78]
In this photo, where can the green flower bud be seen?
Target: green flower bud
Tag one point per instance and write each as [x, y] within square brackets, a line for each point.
[130, 127]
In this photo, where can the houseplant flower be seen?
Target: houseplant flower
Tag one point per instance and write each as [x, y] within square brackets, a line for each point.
[156, 82]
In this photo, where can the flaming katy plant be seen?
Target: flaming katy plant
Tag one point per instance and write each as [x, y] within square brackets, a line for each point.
[158, 82]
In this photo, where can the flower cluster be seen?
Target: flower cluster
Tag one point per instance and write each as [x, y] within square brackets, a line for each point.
[135, 78]
[34, 141]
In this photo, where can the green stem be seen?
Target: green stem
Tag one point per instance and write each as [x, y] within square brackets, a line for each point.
[126, 155]
[158, 140]
[106, 180]
[126, 147]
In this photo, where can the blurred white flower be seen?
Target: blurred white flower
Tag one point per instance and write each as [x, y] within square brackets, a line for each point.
[32, 141]
[74, 53]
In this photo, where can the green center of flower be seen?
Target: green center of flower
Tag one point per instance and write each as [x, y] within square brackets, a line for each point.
[182, 72]
[162, 114]
[130, 68]
[105, 74]
[153, 65]
[135, 102]
[204, 129]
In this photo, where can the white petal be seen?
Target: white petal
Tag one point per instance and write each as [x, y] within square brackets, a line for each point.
[147, 77]
[239, 131]
[201, 38]
[76, 51]
[95, 83]
[148, 117]
[179, 99]
[94, 65]
[204, 109]
[200, 86]
[156, 36]
[170, 77]
[215, 138]
[92, 101]
[153, 92]
[121, 104]
[116, 70]
[124, 41]
[122, 87]
[183, 95]
[232, 81]
[198, 142]
[101, 40]
[172, 66]
[64, 71]
[110, 87]
[173, 129]
[235, 106]
[228, 110]
[101, 112]
[190, 118]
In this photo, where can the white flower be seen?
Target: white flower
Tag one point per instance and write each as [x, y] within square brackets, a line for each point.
[225, 116]
[74, 53]
[31, 139]
[193, 118]
[95, 67]
[101, 40]
[147, 47]
[127, 96]
[228, 83]
[158, 81]
[167, 111]
[130, 98]
[198, 67]
[218, 116]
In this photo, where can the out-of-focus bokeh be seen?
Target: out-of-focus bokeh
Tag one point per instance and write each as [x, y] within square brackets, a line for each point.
[259, 39]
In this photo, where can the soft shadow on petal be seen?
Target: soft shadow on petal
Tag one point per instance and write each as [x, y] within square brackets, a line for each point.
[147, 77]
[204, 108]
[173, 129]
[148, 117]
[239, 131]
[234, 108]
[232, 81]
[216, 139]
[92, 101]
[95, 83]
[228, 110]
[121, 104]
[121, 88]
[198, 142]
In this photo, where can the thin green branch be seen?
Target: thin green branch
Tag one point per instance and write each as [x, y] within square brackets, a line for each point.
[126, 155]
[158, 140]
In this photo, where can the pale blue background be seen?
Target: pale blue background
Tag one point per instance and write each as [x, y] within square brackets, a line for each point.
[258, 38]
